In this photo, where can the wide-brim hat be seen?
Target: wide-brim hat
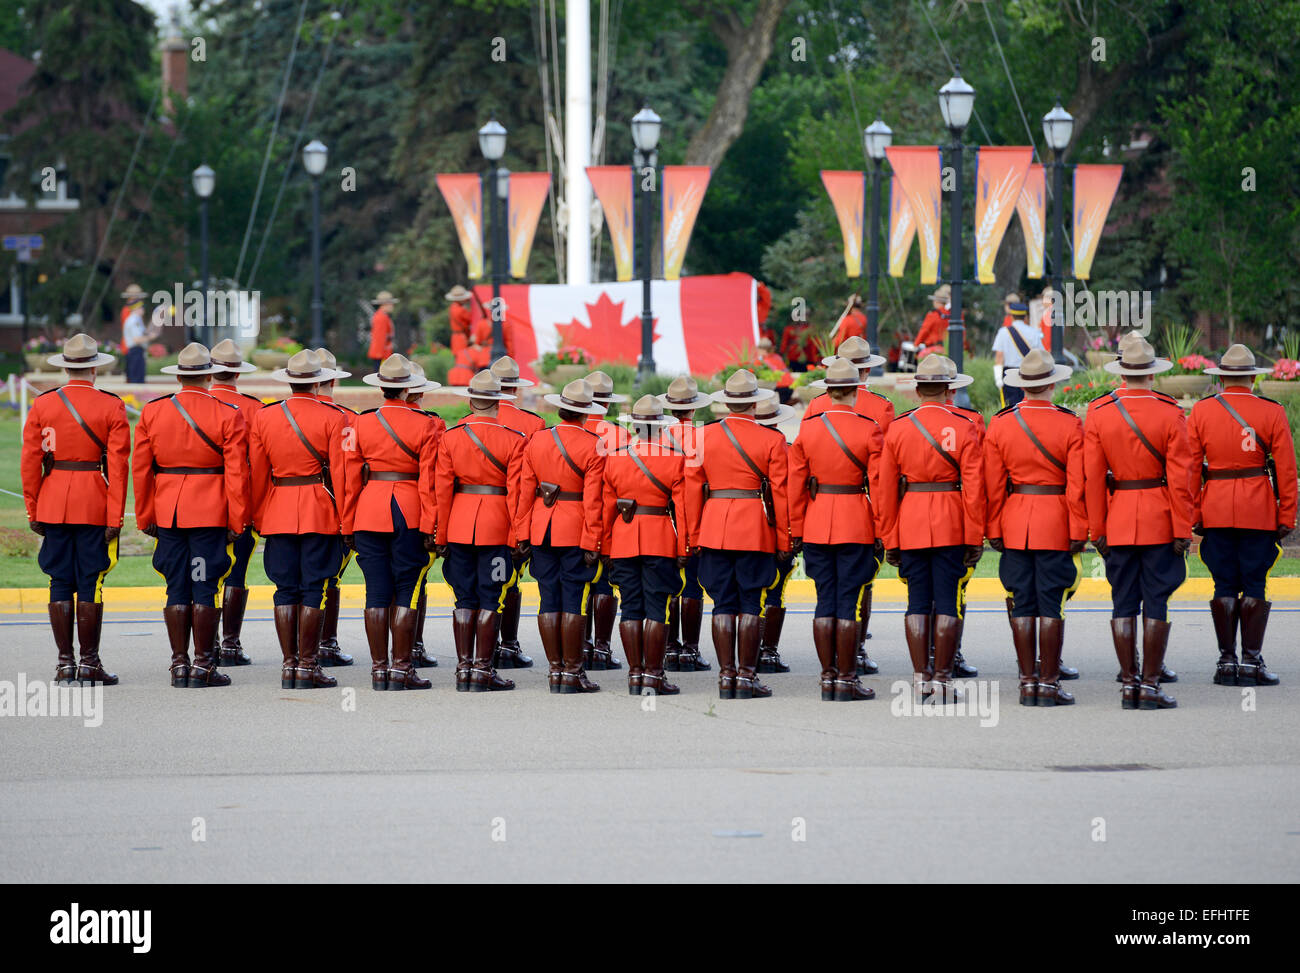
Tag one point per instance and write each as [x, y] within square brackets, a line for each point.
[80, 351]
[1237, 362]
[384, 297]
[194, 359]
[942, 293]
[1036, 370]
[133, 293]
[841, 373]
[1138, 359]
[783, 412]
[483, 385]
[742, 388]
[395, 372]
[602, 388]
[576, 397]
[506, 370]
[304, 368]
[459, 293]
[940, 370]
[227, 354]
[329, 361]
[648, 411]
[683, 395]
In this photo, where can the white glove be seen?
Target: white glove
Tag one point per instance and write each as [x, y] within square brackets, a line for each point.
[997, 375]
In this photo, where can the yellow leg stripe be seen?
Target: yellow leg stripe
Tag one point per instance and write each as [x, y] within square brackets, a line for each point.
[586, 588]
[668, 604]
[1078, 579]
[1268, 575]
[112, 563]
[347, 559]
[221, 581]
[501, 601]
[961, 591]
[857, 608]
[415, 594]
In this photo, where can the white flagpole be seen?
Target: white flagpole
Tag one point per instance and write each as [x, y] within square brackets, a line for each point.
[577, 138]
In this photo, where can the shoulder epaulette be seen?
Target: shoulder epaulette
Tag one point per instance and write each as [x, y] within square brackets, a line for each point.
[711, 422]
[1004, 409]
[368, 411]
[228, 405]
[881, 395]
[1101, 395]
[1265, 398]
[116, 396]
[1101, 405]
[904, 415]
[1069, 412]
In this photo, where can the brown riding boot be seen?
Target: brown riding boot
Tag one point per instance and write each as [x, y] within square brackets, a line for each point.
[176, 619]
[673, 647]
[286, 632]
[574, 679]
[1123, 632]
[548, 627]
[402, 674]
[960, 667]
[1155, 641]
[90, 623]
[769, 659]
[947, 629]
[1051, 635]
[916, 629]
[462, 634]
[376, 621]
[1023, 638]
[328, 652]
[509, 655]
[63, 616]
[308, 674]
[1254, 621]
[603, 609]
[689, 659]
[865, 665]
[632, 635]
[847, 687]
[234, 601]
[747, 638]
[1226, 613]
[724, 644]
[203, 672]
[824, 643]
[654, 638]
[483, 678]
[421, 659]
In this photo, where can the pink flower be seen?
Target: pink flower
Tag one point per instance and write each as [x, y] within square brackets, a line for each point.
[1286, 370]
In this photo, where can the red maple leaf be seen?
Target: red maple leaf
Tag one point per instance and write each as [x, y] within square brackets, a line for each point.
[609, 338]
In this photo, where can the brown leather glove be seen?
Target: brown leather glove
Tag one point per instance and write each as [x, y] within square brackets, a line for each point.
[1102, 547]
[1076, 547]
[1182, 545]
[997, 545]
[590, 557]
[111, 534]
[150, 531]
[37, 527]
[973, 555]
[893, 556]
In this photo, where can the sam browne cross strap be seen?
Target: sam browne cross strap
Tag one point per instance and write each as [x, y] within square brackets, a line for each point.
[764, 491]
[551, 492]
[1269, 469]
[49, 463]
[1036, 489]
[815, 487]
[323, 477]
[193, 470]
[1113, 484]
[481, 488]
[937, 486]
[367, 474]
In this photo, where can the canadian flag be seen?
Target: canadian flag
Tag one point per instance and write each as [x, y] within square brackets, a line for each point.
[700, 323]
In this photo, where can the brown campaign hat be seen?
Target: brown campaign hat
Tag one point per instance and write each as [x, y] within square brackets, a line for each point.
[418, 371]
[304, 368]
[602, 388]
[384, 297]
[483, 385]
[576, 397]
[648, 411]
[840, 373]
[940, 370]
[395, 372]
[856, 350]
[942, 294]
[1238, 360]
[1036, 370]
[683, 395]
[458, 293]
[133, 293]
[227, 354]
[742, 388]
[80, 351]
[770, 412]
[1138, 358]
[194, 359]
[506, 369]
[329, 361]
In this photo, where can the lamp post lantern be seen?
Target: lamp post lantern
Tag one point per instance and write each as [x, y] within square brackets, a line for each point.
[204, 181]
[645, 136]
[314, 156]
[876, 137]
[496, 183]
[1058, 126]
[956, 100]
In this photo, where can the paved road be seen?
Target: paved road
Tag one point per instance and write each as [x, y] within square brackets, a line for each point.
[529, 786]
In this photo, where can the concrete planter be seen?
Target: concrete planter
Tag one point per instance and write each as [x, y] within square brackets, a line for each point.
[1275, 389]
[1183, 386]
[268, 360]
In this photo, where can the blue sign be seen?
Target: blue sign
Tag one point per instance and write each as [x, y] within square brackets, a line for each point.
[34, 242]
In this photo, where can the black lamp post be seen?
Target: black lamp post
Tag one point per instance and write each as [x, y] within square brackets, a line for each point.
[204, 180]
[314, 155]
[956, 100]
[876, 137]
[1058, 126]
[645, 136]
[492, 143]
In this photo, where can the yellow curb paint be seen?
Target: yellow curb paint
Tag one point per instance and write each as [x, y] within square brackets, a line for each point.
[798, 592]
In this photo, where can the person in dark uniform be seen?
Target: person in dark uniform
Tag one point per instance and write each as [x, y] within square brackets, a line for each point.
[604, 603]
[1138, 474]
[1037, 519]
[330, 654]
[234, 593]
[686, 615]
[299, 480]
[192, 495]
[558, 521]
[737, 516]
[421, 659]
[480, 462]
[1243, 506]
[769, 413]
[75, 460]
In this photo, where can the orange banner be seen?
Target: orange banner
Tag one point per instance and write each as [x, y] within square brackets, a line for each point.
[527, 197]
[999, 175]
[683, 191]
[917, 170]
[613, 186]
[1094, 191]
[464, 195]
[902, 228]
[846, 192]
[1031, 206]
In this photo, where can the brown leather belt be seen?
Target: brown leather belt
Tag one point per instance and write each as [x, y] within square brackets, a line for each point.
[562, 494]
[189, 470]
[1242, 474]
[1039, 489]
[845, 488]
[298, 480]
[391, 475]
[735, 494]
[1136, 484]
[480, 488]
[77, 465]
[641, 511]
[942, 486]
